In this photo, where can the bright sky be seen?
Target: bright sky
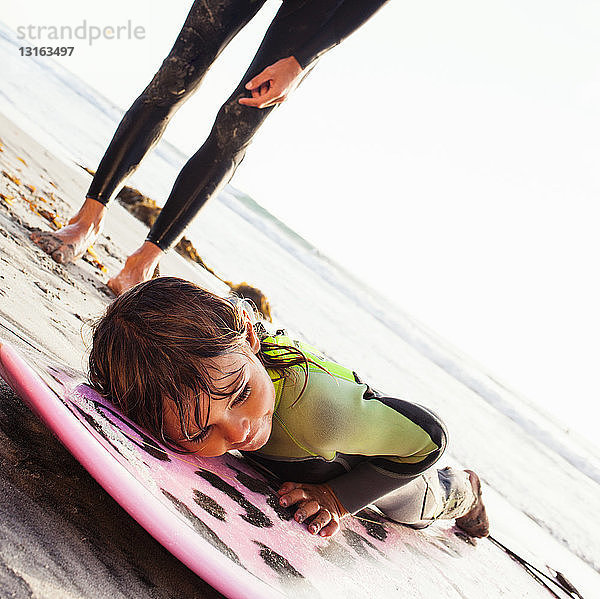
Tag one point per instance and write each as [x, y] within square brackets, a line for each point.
[447, 153]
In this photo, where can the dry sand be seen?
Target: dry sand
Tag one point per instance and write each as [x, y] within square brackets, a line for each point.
[61, 534]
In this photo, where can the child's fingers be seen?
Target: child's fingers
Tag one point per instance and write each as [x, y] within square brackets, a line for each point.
[287, 487]
[322, 519]
[310, 508]
[294, 496]
[330, 529]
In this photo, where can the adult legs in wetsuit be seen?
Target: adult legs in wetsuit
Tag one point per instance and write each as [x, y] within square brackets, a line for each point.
[207, 30]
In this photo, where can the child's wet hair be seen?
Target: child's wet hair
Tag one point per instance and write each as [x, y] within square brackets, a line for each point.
[155, 342]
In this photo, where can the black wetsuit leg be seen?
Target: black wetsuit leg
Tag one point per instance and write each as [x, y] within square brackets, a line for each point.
[213, 165]
[208, 28]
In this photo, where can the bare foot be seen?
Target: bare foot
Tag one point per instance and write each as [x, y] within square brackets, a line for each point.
[70, 243]
[475, 522]
[138, 267]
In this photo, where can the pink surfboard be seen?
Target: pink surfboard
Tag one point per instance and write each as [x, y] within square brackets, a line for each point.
[220, 516]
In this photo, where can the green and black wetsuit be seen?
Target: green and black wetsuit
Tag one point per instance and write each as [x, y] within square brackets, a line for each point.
[304, 29]
[369, 448]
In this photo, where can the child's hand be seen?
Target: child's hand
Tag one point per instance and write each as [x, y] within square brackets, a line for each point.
[314, 500]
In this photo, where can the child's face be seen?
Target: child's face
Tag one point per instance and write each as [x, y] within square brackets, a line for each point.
[242, 421]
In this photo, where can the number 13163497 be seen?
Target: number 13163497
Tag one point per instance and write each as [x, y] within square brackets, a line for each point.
[46, 50]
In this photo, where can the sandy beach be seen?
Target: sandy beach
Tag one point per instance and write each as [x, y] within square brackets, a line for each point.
[62, 534]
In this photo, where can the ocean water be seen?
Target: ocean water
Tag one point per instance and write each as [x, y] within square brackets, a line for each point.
[543, 483]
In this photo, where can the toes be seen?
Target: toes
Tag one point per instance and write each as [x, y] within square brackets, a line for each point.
[64, 254]
[58, 256]
[475, 523]
[54, 246]
[46, 241]
[34, 233]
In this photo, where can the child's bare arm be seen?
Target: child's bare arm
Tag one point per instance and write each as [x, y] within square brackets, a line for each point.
[314, 501]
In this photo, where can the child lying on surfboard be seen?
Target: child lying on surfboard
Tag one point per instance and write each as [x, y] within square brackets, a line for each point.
[193, 369]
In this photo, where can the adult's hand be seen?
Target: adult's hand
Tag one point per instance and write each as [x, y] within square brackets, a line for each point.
[274, 84]
[318, 501]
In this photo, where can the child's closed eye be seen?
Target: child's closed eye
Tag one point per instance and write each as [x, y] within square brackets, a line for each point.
[242, 397]
[201, 436]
